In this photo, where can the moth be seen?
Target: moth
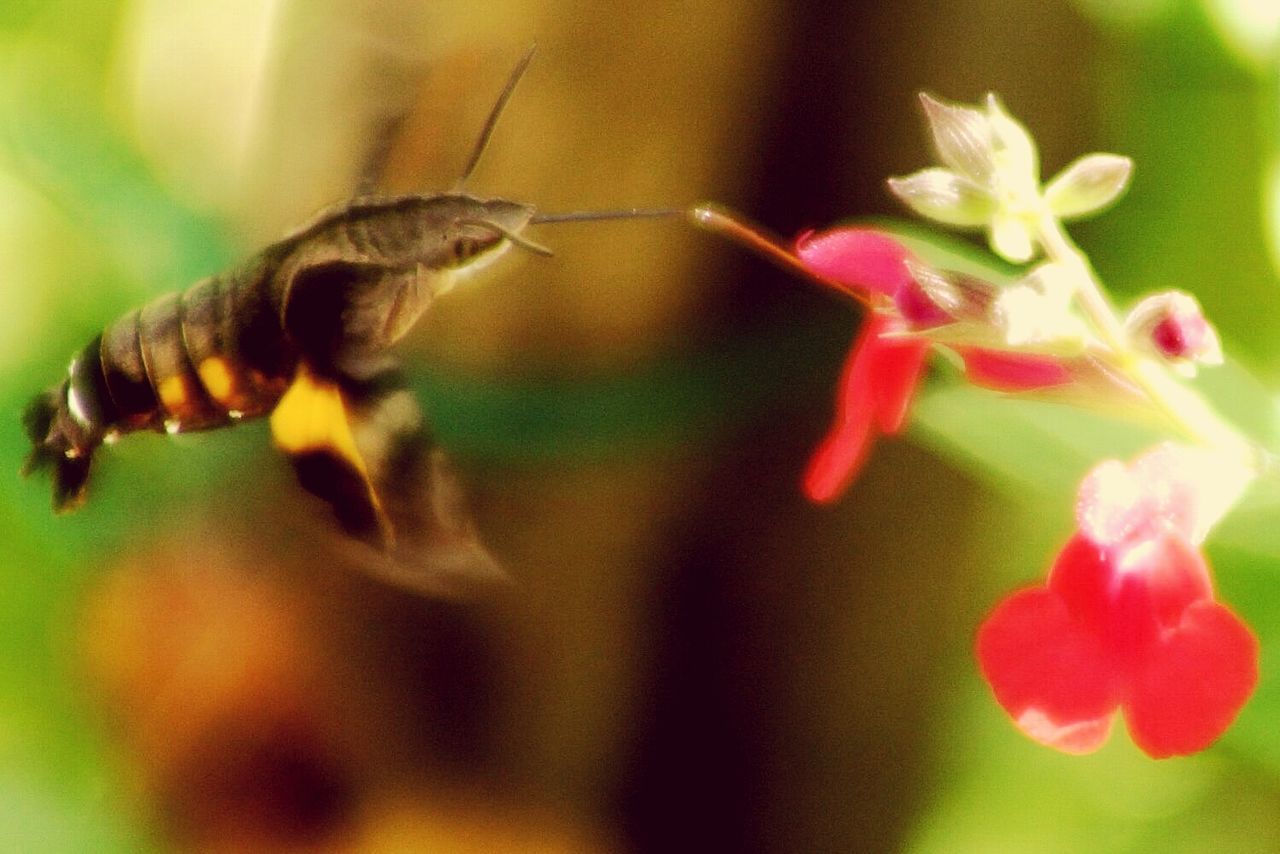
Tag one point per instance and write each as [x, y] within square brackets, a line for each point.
[302, 333]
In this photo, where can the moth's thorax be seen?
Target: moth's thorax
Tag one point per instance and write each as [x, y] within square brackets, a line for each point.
[437, 232]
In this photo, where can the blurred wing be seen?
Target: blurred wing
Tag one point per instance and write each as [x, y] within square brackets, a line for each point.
[374, 167]
[361, 446]
[437, 550]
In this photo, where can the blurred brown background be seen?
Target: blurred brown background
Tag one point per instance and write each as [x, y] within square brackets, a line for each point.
[692, 658]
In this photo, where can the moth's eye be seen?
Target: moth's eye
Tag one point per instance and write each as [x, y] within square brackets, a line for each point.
[466, 247]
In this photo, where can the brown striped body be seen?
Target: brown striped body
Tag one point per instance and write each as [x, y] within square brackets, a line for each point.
[196, 360]
[180, 362]
[331, 297]
[303, 332]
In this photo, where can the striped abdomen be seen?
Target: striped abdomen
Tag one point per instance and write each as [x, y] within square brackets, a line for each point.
[197, 360]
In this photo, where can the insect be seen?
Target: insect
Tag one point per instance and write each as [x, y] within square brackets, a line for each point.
[302, 333]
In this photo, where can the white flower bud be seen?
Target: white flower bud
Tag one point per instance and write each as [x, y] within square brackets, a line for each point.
[962, 136]
[1017, 162]
[1173, 326]
[1088, 185]
[944, 196]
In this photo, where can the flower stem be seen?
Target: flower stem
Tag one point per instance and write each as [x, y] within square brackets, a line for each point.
[714, 218]
[1184, 408]
[1093, 300]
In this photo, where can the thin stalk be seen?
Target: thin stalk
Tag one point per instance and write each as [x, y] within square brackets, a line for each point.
[1186, 409]
[714, 218]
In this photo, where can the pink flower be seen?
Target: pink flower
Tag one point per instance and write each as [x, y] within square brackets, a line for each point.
[1126, 620]
[884, 366]
[867, 262]
[886, 362]
[879, 380]
[1014, 371]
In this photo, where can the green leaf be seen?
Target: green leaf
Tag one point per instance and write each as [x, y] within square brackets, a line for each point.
[1020, 446]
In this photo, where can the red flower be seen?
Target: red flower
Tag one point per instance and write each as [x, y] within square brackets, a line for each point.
[875, 391]
[885, 364]
[1014, 372]
[1127, 620]
[883, 368]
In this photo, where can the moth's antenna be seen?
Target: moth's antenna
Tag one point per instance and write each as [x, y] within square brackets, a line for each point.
[491, 122]
[516, 240]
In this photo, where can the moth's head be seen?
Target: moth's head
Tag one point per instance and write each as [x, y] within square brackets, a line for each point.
[474, 232]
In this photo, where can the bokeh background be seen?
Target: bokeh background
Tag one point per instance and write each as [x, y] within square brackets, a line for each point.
[691, 657]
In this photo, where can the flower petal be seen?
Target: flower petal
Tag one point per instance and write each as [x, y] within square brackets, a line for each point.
[1160, 579]
[837, 461]
[1010, 239]
[1077, 737]
[898, 365]
[1194, 683]
[841, 454]
[944, 196]
[1198, 485]
[1170, 487]
[950, 294]
[1083, 576]
[1013, 372]
[876, 387]
[962, 137]
[857, 258]
[918, 309]
[1088, 185]
[1128, 595]
[1112, 505]
[1048, 672]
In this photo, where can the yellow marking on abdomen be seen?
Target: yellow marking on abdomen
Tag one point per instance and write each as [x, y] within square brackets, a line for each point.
[173, 393]
[310, 417]
[218, 380]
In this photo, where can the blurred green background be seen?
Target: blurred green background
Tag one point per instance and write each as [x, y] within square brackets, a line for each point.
[692, 658]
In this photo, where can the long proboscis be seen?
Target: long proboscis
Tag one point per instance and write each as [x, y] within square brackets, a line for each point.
[580, 216]
[601, 216]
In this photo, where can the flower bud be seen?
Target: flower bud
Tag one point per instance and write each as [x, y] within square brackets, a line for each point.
[1013, 149]
[991, 179]
[1088, 185]
[944, 196]
[962, 136]
[1173, 326]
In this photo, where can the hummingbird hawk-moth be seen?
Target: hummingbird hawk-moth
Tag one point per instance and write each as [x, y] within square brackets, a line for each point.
[302, 333]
